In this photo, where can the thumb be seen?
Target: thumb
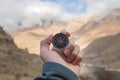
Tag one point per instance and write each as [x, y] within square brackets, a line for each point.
[45, 43]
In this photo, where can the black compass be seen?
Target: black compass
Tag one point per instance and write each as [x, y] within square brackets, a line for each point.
[60, 41]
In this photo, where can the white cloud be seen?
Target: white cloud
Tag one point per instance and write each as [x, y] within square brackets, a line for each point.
[101, 7]
[30, 12]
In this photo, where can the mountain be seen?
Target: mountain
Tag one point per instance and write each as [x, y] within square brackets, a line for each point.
[32, 36]
[15, 63]
[104, 51]
[109, 25]
[95, 72]
[101, 40]
[84, 31]
[98, 38]
[18, 64]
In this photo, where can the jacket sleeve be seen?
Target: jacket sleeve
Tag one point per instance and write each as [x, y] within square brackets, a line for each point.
[55, 71]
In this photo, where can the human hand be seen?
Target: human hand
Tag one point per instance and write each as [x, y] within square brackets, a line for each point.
[69, 57]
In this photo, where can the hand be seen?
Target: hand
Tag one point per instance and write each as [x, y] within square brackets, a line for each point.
[69, 57]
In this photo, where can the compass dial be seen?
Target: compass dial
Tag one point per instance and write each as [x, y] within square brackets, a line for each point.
[60, 41]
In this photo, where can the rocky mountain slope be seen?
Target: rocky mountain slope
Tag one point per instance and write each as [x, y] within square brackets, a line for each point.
[18, 64]
[15, 63]
[94, 72]
[102, 41]
[104, 51]
[109, 25]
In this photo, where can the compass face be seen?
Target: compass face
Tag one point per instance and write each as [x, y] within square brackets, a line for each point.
[60, 41]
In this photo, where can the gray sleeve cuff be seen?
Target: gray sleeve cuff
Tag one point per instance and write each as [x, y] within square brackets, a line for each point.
[59, 69]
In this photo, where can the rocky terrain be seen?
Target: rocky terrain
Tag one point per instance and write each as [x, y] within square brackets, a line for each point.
[18, 64]
[104, 51]
[109, 25]
[102, 40]
[15, 63]
[97, 72]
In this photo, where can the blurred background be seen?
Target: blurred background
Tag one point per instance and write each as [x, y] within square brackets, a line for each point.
[93, 24]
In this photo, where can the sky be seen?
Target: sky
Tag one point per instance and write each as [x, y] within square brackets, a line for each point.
[70, 5]
[31, 12]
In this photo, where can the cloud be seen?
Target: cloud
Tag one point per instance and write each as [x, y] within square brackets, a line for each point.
[31, 12]
[101, 7]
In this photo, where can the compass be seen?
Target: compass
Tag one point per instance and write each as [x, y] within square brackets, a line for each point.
[60, 41]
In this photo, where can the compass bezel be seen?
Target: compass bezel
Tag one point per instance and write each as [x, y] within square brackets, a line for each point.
[63, 36]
